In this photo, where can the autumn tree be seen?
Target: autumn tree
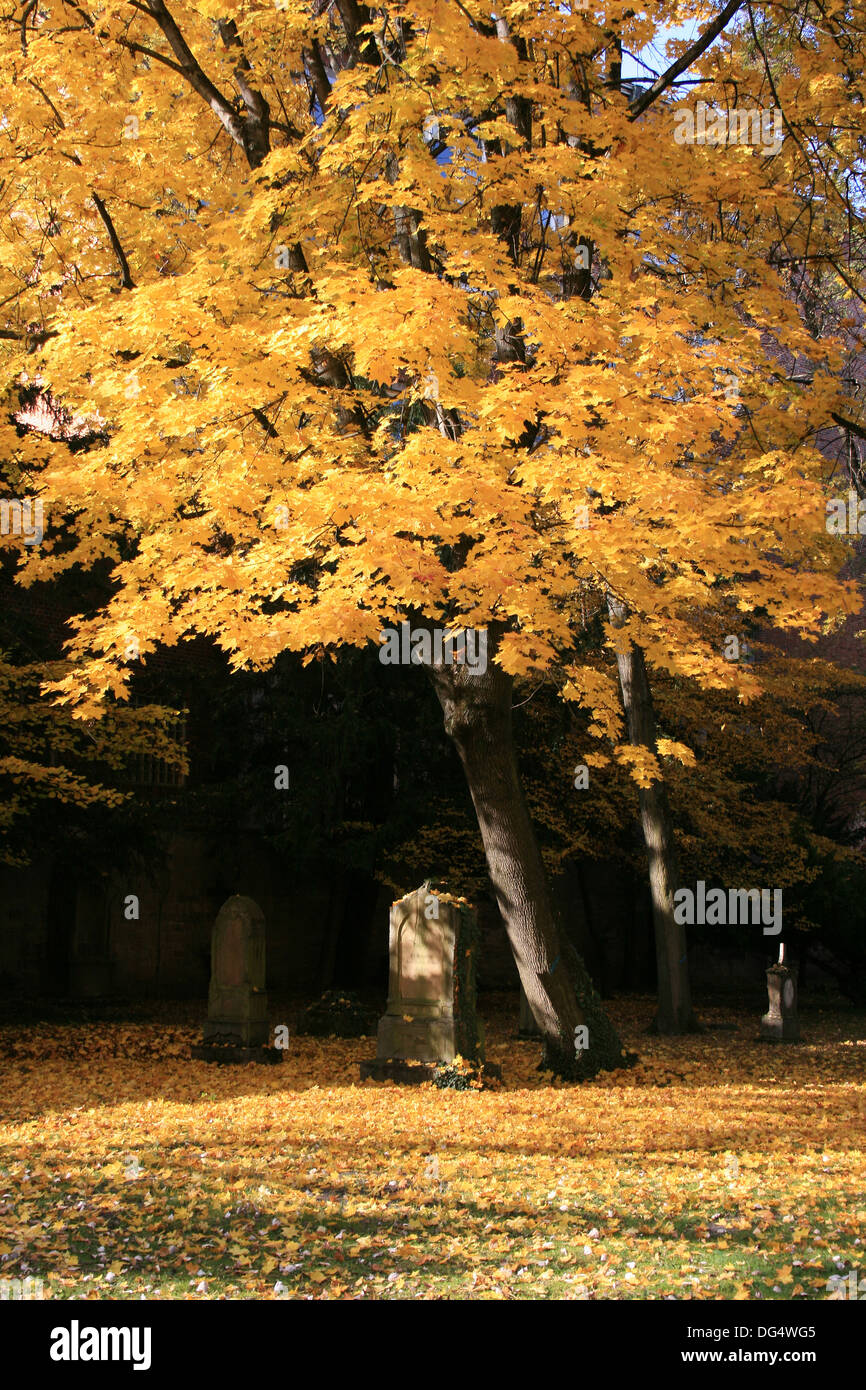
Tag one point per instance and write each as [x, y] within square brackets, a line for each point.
[56, 772]
[416, 313]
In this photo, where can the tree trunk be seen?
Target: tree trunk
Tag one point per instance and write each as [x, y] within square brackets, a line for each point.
[674, 1012]
[526, 1027]
[477, 709]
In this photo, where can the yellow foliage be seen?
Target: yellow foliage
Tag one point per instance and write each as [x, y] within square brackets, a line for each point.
[332, 389]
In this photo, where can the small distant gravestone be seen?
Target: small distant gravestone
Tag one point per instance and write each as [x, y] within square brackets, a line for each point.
[237, 1011]
[430, 1016]
[780, 1023]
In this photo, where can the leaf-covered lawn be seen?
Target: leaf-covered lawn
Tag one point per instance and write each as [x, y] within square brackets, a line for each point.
[720, 1167]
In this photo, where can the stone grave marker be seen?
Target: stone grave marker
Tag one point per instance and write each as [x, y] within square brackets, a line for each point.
[780, 1023]
[430, 1016]
[237, 1014]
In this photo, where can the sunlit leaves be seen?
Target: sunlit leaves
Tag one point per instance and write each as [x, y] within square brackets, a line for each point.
[717, 1168]
[342, 328]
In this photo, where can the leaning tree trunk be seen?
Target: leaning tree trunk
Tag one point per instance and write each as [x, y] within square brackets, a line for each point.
[674, 1012]
[477, 709]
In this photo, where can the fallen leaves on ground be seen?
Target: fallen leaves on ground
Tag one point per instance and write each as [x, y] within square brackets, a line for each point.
[719, 1167]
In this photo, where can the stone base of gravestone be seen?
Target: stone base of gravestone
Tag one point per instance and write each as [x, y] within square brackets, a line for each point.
[404, 1073]
[231, 1053]
[414, 1073]
[430, 1016]
[781, 1023]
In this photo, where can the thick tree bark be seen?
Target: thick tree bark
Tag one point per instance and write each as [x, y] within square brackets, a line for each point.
[526, 1027]
[674, 1012]
[477, 709]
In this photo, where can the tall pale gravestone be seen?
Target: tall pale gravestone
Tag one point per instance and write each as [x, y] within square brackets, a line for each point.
[237, 1015]
[430, 1016]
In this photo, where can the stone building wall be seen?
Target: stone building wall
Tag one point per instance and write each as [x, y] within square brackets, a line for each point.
[322, 930]
[159, 945]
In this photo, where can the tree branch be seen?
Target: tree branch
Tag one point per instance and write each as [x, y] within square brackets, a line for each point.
[28, 10]
[640, 104]
[257, 141]
[151, 53]
[126, 280]
[846, 424]
[189, 66]
[320, 77]
[46, 98]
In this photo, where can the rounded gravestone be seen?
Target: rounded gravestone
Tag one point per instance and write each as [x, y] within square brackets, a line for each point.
[237, 1012]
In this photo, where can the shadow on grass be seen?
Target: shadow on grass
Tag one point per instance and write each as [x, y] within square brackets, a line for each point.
[326, 1244]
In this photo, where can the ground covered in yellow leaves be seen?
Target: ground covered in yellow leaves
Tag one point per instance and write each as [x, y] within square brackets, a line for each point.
[719, 1167]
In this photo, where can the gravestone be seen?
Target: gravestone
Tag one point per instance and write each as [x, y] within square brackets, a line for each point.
[430, 1016]
[780, 1023]
[237, 1013]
